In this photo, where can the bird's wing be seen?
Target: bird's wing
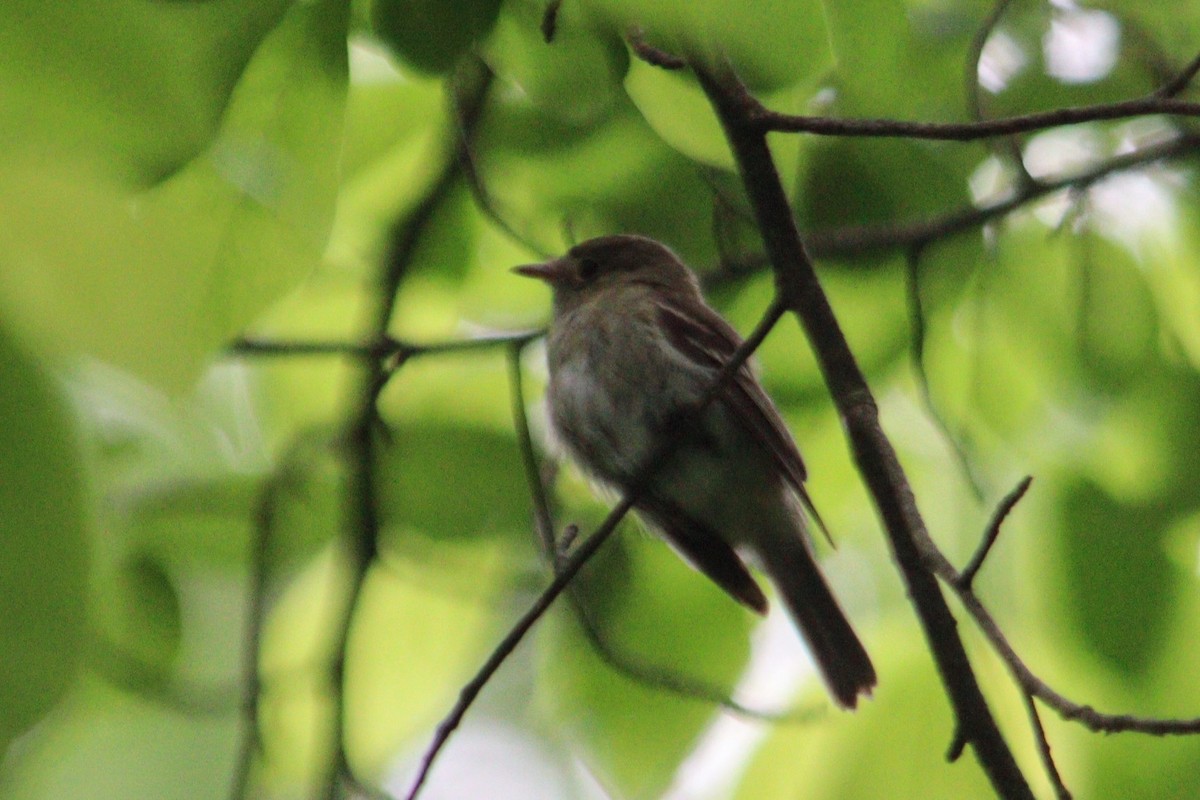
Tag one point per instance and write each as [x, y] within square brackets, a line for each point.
[704, 550]
[700, 334]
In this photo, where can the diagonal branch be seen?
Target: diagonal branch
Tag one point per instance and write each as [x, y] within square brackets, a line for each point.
[798, 288]
[656, 677]
[571, 566]
[1180, 82]
[1066, 708]
[861, 240]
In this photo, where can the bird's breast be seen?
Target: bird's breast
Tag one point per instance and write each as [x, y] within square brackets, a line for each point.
[614, 384]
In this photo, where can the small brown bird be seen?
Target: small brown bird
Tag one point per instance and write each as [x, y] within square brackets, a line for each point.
[632, 349]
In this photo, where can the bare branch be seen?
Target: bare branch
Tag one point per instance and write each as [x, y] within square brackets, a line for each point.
[469, 89]
[861, 240]
[1068, 709]
[916, 317]
[264, 527]
[767, 120]
[993, 531]
[1180, 82]
[479, 191]
[651, 54]
[799, 289]
[1010, 147]
[542, 517]
[1031, 683]
[668, 679]
[1035, 721]
[582, 555]
[252, 346]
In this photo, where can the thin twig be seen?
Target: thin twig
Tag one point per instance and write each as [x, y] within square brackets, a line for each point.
[975, 53]
[469, 90]
[858, 241]
[1085, 715]
[543, 518]
[251, 346]
[582, 555]
[1011, 146]
[256, 608]
[479, 190]
[756, 116]
[767, 120]
[861, 240]
[670, 680]
[651, 54]
[1044, 752]
[649, 675]
[1180, 82]
[916, 317]
[993, 531]
[1067, 709]
[385, 347]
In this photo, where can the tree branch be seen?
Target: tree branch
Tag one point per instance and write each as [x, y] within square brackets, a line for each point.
[916, 317]
[1011, 146]
[1033, 687]
[581, 555]
[992, 533]
[760, 118]
[860, 240]
[1180, 82]
[664, 679]
[800, 291]
[264, 528]
[469, 89]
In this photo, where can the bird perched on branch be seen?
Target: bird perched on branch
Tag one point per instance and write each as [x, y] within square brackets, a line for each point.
[632, 350]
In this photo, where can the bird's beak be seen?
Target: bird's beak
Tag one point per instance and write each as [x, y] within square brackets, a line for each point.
[551, 272]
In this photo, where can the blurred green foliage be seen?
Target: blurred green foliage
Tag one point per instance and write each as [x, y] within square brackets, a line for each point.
[177, 174]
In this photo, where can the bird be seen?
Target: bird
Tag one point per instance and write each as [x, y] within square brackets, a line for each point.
[632, 349]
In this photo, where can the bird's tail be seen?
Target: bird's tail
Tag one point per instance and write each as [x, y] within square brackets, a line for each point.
[839, 655]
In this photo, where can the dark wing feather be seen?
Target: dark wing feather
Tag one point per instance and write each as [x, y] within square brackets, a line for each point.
[704, 337]
[704, 550]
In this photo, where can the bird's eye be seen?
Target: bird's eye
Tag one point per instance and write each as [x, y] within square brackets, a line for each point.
[588, 269]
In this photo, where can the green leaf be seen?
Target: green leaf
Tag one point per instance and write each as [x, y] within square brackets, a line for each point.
[108, 745]
[771, 43]
[448, 244]
[138, 87]
[43, 574]
[1121, 585]
[432, 35]
[452, 482]
[855, 181]
[198, 518]
[676, 108]
[420, 631]
[142, 616]
[1030, 29]
[575, 79]
[416, 643]
[154, 280]
[1115, 347]
[1173, 27]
